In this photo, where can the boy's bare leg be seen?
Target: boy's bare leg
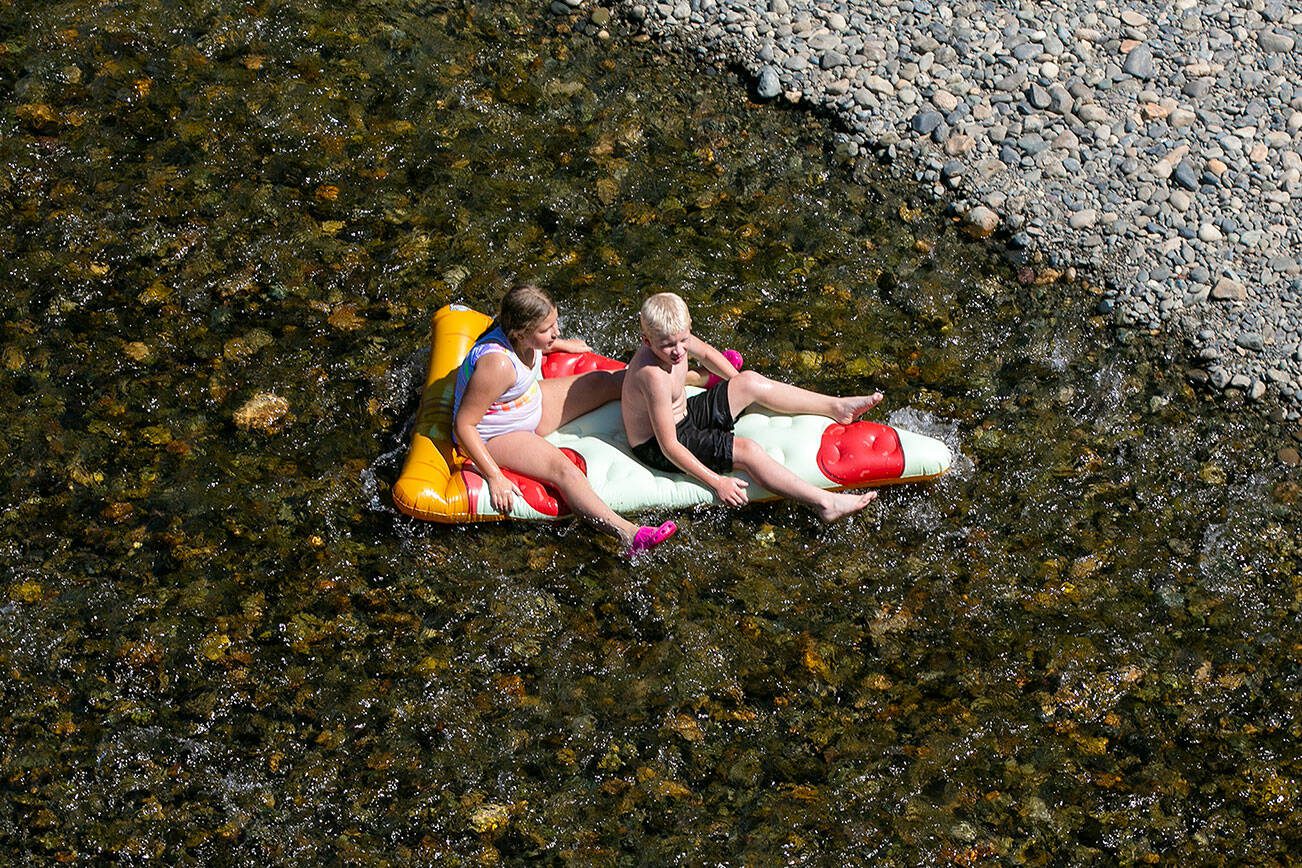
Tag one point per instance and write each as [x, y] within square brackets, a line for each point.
[749, 456]
[568, 398]
[749, 388]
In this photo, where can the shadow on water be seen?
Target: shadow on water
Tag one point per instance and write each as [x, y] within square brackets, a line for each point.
[222, 643]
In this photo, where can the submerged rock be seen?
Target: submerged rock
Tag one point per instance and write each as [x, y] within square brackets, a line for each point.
[137, 351]
[489, 818]
[265, 412]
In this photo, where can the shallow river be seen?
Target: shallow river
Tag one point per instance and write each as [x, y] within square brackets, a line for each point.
[223, 645]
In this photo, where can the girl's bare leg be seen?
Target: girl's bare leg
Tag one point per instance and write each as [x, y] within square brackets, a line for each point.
[568, 398]
[527, 453]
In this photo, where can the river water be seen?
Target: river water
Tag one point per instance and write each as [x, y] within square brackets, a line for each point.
[224, 645]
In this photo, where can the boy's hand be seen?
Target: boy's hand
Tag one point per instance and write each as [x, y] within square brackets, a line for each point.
[731, 490]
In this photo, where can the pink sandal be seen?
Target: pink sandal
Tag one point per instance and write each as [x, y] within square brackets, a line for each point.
[732, 356]
[649, 537]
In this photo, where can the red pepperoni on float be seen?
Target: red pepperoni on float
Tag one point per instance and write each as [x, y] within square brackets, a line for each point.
[568, 364]
[542, 497]
[860, 452]
[575, 458]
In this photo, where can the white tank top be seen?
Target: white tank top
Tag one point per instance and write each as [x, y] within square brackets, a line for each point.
[519, 408]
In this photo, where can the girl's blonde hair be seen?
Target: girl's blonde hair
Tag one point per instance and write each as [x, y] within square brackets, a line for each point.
[522, 308]
[665, 313]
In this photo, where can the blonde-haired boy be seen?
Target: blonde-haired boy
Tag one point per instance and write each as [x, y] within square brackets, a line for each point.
[673, 433]
[664, 314]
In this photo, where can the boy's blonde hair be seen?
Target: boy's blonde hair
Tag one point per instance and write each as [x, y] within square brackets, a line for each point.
[665, 313]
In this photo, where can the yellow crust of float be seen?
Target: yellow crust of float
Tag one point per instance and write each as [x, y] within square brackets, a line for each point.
[431, 486]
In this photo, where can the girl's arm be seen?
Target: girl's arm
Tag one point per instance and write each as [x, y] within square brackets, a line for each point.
[570, 345]
[492, 376]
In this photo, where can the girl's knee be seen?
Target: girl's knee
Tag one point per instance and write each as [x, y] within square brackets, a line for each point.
[565, 474]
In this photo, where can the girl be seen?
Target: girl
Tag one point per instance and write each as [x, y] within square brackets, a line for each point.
[503, 408]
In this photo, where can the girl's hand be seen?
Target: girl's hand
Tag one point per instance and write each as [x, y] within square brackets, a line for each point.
[501, 493]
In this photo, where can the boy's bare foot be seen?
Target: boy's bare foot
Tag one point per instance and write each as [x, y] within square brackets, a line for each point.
[849, 409]
[844, 503]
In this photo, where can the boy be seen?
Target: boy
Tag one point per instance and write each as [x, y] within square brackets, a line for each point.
[672, 433]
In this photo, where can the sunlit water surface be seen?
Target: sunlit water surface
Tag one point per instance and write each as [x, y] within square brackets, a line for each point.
[223, 645]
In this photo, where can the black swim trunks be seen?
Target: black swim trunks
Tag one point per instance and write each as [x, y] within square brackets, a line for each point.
[706, 431]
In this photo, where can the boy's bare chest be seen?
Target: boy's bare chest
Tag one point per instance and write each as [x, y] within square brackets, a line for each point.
[678, 392]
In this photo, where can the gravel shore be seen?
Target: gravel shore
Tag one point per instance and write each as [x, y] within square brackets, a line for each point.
[1157, 144]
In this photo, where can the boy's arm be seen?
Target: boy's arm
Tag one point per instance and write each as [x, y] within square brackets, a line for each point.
[713, 360]
[658, 393]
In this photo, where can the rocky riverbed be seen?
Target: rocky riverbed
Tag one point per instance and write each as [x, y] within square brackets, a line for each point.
[1156, 145]
[224, 228]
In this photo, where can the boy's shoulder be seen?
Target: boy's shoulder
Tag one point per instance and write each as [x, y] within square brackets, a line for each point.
[643, 360]
[643, 370]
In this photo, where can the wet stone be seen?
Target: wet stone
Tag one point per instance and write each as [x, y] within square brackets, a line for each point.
[1274, 41]
[926, 122]
[1186, 176]
[769, 85]
[137, 351]
[1139, 63]
[1250, 341]
[981, 221]
[265, 412]
[1228, 290]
